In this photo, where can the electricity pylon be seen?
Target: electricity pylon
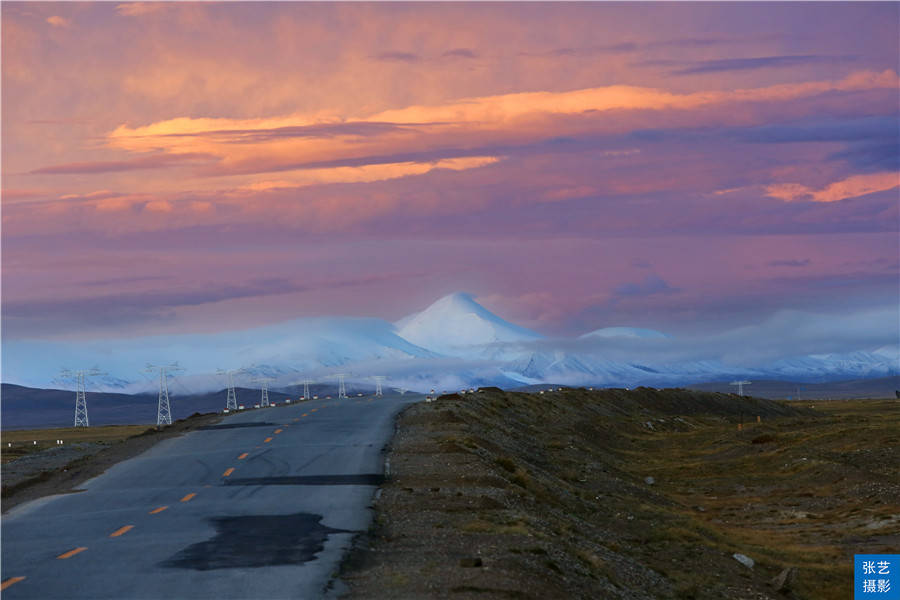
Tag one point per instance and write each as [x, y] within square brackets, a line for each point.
[264, 384]
[740, 385]
[342, 389]
[378, 379]
[163, 408]
[81, 412]
[401, 390]
[231, 398]
[306, 383]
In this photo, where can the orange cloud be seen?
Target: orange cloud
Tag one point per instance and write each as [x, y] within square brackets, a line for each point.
[137, 9]
[289, 142]
[160, 206]
[365, 173]
[852, 187]
[58, 21]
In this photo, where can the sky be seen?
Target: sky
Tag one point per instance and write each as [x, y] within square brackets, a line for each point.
[687, 167]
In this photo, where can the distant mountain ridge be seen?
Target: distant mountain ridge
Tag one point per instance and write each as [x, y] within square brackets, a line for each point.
[455, 342]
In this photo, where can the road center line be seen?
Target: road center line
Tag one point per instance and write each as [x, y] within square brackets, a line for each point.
[10, 581]
[305, 415]
[243, 456]
[72, 552]
[277, 431]
[267, 440]
[188, 497]
[158, 510]
[121, 530]
[228, 472]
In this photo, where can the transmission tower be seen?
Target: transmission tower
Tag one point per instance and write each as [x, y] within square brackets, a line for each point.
[81, 412]
[163, 408]
[342, 389]
[740, 385]
[231, 398]
[401, 390]
[264, 384]
[306, 384]
[378, 379]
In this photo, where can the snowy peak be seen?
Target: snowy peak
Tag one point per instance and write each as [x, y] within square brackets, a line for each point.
[456, 322]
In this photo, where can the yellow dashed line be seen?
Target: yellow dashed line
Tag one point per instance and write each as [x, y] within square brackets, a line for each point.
[314, 410]
[188, 497]
[267, 440]
[228, 472]
[297, 419]
[158, 510]
[72, 552]
[277, 431]
[121, 530]
[305, 415]
[242, 456]
[10, 581]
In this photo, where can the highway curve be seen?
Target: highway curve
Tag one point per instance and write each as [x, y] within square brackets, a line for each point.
[261, 505]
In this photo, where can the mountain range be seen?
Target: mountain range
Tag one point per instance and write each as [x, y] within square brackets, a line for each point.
[453, 343]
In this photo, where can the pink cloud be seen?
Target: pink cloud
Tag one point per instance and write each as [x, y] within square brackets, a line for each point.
[851, 187]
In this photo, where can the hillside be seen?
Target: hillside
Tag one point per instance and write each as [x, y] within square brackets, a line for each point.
[632, 495]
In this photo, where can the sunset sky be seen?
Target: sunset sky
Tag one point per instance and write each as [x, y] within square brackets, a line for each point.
[172, 167]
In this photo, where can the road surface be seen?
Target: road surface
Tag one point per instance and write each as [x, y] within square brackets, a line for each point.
[262, 505]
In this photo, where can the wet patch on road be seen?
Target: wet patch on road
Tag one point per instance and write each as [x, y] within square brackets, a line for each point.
[360, 479]
[256, 541]
[236, 426]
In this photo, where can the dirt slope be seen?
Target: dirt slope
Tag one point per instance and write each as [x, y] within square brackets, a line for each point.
[640, 494]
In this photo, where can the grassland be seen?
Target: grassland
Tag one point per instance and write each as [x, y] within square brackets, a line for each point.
[642, 494]
[19, 443]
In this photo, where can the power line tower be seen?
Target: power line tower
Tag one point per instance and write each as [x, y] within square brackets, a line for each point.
[163, 408]
[401, 390]
[378, 379]
[81, 412]
[342, 389]
[264, 384]
[306, 384]
[231, 398]
[740, 385]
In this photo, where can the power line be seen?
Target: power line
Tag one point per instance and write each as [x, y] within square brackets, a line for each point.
[342, 389]
[741, 385]
[231, 398]
[264, 381]
[81, 412]
[163, 408]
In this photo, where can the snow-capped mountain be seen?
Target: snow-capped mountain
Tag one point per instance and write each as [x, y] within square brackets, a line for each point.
[456, 325]
[455, 342]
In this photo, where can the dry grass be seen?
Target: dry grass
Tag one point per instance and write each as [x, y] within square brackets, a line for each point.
[801, 488]
[23, 440]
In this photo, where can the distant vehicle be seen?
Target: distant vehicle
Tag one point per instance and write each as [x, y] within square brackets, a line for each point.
[256, 406]
[273, 403]
[315, 397]
[226, 411]
[359, 394]
[287, 400]
[241, 407]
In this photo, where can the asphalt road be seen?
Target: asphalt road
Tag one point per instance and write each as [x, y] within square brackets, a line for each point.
[261, 506]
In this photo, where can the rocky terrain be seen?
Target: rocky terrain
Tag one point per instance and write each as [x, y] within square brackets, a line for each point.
[631, 494]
